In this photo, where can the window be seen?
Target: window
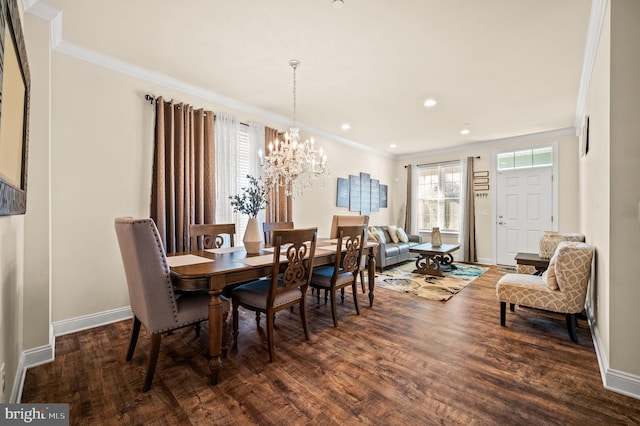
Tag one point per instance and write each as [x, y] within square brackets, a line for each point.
[439, 196]
[243, 169]
[536, 157]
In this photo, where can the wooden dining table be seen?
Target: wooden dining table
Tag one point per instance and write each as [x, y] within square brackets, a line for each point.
[234, 266]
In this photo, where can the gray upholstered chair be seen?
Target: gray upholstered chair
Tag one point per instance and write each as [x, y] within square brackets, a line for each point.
[344, 272]
[561, 288]
[349, 220]
[267, 227]
[210, 236]
[151, 293]
[280, 291]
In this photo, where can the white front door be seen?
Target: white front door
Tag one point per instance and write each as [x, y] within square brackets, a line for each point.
[524, 211]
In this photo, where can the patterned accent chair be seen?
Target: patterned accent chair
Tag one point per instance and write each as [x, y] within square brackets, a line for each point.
[561, 288]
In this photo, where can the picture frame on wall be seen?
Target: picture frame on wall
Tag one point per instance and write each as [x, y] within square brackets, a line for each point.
[342, 195]
[383, 196]
[375, 195]
[15, 92]
[354, 193]
[365, 193]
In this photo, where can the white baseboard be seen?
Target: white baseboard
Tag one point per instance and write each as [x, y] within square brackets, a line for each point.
[486, 261]
[44, 354]
[73, 325]
[614, 380]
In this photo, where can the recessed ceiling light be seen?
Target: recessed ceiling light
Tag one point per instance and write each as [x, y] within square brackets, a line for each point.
[430, 103]
[346, 126]
[393, 145]
[464, 131]
[337, 4]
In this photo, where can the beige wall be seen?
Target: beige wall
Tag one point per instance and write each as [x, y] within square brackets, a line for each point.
[317, 207]
[624, 291]
[609, 189]
[567, 185]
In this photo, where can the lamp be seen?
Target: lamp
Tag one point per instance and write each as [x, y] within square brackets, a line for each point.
[291, 163]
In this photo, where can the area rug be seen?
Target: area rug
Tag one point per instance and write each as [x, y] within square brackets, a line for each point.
[401, 278]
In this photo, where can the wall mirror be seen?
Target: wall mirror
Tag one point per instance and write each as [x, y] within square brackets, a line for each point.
[14, 111]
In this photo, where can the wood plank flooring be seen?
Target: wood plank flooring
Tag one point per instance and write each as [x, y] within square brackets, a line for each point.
[405, 361]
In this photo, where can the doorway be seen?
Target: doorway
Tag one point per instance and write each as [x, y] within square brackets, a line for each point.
[525, 209]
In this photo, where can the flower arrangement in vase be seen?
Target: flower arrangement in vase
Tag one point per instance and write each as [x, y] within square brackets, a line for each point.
[252, 199]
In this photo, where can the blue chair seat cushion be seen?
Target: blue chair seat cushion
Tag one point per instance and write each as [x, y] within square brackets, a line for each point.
[322, 277]
[255, 294]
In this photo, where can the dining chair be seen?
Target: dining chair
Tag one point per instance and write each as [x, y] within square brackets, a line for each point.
[211, 236]
[151, 294]
[267, 227]
[349, 220]
[281, 290]
[344, 272]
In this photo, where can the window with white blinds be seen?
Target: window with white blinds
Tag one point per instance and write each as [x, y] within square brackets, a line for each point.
[243, 169]
[439, 196]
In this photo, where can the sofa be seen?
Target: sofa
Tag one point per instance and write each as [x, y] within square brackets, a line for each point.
[389, 252]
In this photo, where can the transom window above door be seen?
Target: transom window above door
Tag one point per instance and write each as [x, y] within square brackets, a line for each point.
[532, 157]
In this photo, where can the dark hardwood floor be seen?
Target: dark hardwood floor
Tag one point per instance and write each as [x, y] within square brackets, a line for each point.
[405, 361]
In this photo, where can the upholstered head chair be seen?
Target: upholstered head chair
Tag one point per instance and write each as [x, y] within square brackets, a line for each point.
[151, 294]
[561, 288]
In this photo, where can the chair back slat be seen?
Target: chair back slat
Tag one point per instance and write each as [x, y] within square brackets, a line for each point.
[351, 240]
[298, 246]
[347, 220]
[211, 236]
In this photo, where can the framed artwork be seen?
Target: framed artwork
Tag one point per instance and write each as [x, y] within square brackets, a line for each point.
[15, 92]
[342, 196]
[365, 193]
[584, 137]
[375, 195]
[354, 193]
[383, 196]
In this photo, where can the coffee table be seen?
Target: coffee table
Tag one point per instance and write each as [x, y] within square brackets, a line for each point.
[431, 259]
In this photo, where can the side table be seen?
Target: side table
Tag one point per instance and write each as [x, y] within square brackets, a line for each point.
[532, 259]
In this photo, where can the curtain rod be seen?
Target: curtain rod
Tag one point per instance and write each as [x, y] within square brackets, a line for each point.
[437, 162]
[151, 98]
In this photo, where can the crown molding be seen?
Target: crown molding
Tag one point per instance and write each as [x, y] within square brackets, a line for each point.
[492, 143]
[45, 11]
[596, 19]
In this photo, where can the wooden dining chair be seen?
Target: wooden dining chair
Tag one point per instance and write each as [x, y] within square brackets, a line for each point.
[349, 220]
[151, 294]
[211, 236]
[344, 272]
[268, 227]
[281, 290]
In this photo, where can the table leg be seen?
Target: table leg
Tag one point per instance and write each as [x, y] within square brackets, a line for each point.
[372, 274]
[215, 332]
[428, 265]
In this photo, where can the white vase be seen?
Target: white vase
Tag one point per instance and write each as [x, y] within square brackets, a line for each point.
[436, 237]
[252, 237]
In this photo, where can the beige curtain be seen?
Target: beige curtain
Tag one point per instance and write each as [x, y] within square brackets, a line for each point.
[407, 213]
[182, 189]
[468, 237]
[280, 206]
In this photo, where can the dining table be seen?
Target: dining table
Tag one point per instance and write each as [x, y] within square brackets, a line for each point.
[215, 269]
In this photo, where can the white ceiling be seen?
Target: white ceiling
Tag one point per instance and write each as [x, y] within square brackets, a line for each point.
[506, 67]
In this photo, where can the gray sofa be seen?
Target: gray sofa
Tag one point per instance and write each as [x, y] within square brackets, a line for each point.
[390, 253]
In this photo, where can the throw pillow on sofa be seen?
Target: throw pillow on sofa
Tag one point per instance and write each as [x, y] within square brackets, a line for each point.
[381, 234]
[373, 234]
[402, 236]
[393, 233]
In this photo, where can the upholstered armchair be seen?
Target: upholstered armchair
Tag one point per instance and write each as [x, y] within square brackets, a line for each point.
[561, 288]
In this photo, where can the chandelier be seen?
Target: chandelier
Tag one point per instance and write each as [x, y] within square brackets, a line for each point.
[291, 163]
